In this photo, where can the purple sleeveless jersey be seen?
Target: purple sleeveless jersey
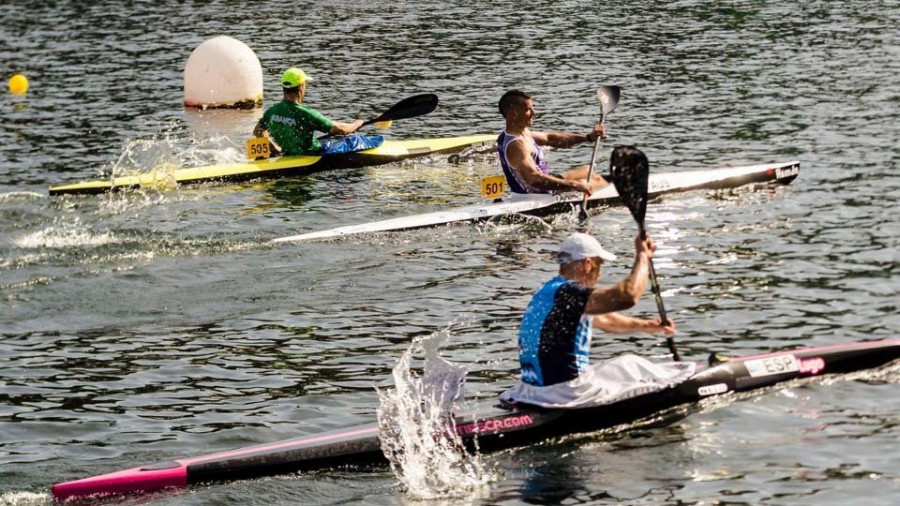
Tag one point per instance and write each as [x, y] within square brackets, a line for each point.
[515, 182]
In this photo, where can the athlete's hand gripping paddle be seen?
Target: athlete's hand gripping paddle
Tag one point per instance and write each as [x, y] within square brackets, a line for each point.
[609, 98]
[417, 105]
[630, 171]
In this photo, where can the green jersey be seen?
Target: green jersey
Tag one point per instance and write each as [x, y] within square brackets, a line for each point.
[293, 127]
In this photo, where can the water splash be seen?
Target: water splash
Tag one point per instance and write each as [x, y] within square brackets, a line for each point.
[20, 195]
[523, 223]
[164, 153]
[156, 160]
[66, 233]
[417, 432]
[25, 499]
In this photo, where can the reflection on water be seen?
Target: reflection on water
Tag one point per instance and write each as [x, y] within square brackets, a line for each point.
[216, 122]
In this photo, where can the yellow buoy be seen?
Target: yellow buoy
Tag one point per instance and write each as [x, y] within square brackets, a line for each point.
[18, 84]
[383, 125]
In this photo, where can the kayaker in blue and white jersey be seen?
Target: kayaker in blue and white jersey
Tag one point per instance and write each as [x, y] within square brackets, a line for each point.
[291, 126]
[556, 331]
[523, 160]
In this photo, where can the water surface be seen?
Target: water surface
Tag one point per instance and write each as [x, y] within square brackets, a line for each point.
[143, 327]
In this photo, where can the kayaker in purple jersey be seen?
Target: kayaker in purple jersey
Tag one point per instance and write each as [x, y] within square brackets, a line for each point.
[523, 160]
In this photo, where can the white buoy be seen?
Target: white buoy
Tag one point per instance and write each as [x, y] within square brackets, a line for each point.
[223, 72]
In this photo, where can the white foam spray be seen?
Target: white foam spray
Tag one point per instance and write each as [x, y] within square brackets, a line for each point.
[164, 153]
[66, 233]
[417, 431]
[25, 499]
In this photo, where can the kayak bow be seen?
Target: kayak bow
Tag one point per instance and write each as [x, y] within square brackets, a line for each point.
[494, 427]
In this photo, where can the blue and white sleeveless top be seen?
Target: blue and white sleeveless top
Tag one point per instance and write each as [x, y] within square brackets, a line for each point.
[555, 335]
[515, 182]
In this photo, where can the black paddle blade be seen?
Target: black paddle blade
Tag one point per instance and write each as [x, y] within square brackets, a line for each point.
[630, 171]
[411, 107]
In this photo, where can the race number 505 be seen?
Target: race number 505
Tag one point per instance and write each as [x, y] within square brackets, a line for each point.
[493, 187]
[258, 147]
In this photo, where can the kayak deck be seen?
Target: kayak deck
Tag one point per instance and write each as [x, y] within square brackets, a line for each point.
[285, 166]
[494, 427]
[545, 204]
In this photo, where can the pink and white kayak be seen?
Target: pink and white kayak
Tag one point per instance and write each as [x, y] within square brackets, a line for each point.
[494, 426]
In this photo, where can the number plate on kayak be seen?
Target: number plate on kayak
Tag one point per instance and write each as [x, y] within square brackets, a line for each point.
[779, 364]
[257, 148]
[493, 187]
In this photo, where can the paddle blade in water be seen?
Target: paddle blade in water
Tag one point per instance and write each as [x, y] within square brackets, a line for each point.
[630, 170]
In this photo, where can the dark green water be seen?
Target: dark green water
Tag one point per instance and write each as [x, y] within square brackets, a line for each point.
[143, 327]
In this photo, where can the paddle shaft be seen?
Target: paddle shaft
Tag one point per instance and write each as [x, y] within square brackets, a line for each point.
[373, 120]
[410, 107]
[583, 215]
[654, 287]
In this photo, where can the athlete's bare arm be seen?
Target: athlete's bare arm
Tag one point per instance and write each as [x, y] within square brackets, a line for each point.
[626, 293]
[339, 128]
[259, 131]
[617, 323]
[566, 139]
[518, 154]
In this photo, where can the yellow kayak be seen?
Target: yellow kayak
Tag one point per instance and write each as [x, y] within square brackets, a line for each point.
[387, 152]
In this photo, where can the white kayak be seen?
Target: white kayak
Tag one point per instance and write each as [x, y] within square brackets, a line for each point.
[542, 204]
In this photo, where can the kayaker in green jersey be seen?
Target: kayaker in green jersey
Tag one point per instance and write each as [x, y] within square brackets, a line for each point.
[291, 126]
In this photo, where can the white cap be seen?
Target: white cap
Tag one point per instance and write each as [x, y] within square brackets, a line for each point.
[579, 246]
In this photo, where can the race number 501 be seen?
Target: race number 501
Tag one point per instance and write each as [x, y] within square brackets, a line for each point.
[493, 187]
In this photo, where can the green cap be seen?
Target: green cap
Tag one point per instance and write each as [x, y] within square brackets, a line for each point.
[293, 77]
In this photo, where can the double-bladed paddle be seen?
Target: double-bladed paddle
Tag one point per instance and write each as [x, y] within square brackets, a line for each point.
[417, 105]
[630, 171]
[609, 99]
